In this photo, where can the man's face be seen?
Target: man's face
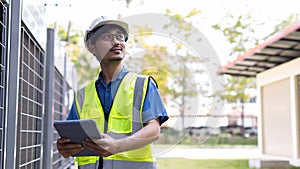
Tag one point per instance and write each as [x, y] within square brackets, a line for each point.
[110, 46]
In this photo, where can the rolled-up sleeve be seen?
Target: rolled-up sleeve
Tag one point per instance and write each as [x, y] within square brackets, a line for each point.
[153, 107]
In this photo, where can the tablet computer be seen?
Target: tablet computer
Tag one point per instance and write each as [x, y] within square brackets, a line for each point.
[77, 131]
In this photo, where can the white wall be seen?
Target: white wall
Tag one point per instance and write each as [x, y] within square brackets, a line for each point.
[284, 101]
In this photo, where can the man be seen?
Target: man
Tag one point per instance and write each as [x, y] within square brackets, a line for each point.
[127, 107]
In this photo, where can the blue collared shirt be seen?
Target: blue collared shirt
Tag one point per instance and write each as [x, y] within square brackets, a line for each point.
[153, 106]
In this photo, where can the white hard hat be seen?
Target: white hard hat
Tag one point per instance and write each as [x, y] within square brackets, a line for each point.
[101, 21]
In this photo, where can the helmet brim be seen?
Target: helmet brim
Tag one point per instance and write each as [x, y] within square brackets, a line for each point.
[122, 24]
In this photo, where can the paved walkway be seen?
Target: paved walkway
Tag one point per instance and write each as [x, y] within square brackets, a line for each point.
[206, 153]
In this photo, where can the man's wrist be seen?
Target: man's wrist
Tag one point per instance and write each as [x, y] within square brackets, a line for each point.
[122, 144]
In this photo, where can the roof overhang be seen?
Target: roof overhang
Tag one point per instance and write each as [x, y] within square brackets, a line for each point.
[280, 48]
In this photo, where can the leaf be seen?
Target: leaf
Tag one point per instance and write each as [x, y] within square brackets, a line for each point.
[194, 12]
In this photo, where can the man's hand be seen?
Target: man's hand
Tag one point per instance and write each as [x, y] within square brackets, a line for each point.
[101, 147]
[66, 149]
[108, 146]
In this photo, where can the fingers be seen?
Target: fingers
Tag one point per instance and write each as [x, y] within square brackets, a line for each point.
[95, 145]
[105, 136]
[91, 144]
[67, 149]
[63, 140]
[100, 142]
[69, 152]
[103, 141]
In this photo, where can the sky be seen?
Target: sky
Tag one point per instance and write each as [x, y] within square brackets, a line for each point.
[82, 13]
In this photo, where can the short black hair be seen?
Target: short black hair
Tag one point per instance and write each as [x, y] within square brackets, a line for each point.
[94, 34]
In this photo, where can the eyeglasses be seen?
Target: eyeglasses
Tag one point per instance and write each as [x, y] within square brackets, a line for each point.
[109, 37]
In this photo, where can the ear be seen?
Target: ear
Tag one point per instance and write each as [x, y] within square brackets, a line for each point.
[91, 48]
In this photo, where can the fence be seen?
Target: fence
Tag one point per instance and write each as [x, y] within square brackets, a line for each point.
[60, 111]
[3, 65]
[30, 112]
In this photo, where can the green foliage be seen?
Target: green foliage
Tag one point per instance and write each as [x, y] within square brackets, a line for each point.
[157, 62]
[231, 140]
[194, 12]
[283, 24]
[85, 72]
[153, 62]
[239, 31]
[183, 73]
[170, 136]
[182, 24]
[236, 88]
[77, 53]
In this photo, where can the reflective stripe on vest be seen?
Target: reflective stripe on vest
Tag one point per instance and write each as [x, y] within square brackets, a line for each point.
[90, 166]
[130, 99]
[129, 165]
[87, 162]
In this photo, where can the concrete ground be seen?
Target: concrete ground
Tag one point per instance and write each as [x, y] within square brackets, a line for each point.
[206, 153]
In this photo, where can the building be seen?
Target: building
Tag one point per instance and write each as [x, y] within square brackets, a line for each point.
[276, 66]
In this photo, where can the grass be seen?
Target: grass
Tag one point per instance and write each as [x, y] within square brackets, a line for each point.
[180, 163]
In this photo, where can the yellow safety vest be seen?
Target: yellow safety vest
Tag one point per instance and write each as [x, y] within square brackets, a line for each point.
[125, 119]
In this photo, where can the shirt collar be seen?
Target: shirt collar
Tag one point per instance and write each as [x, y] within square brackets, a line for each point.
[120, 76]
